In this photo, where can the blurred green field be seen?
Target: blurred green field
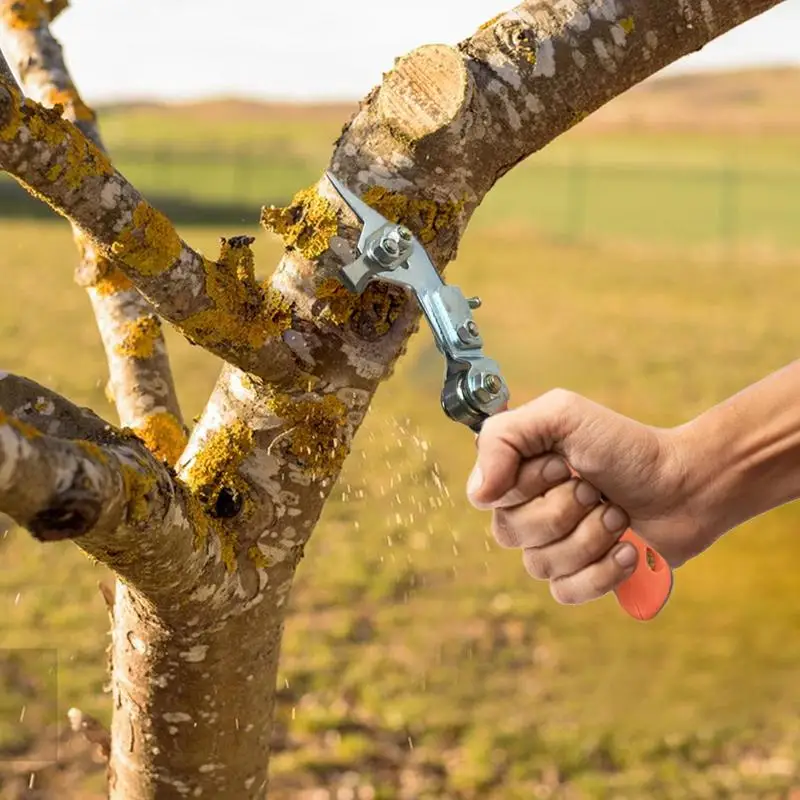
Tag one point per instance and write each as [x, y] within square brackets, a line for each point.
[418, 659]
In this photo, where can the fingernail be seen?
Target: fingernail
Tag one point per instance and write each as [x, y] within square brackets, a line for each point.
[475, 481]
[626, 556]
[555, 470]
[614, 519]
[586, 494]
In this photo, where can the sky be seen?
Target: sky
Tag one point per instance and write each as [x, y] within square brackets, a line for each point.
[317, 49]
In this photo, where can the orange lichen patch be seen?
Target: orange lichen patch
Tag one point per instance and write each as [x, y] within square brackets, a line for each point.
[307, 224]
[140, 337]
[137, 491]
[72, 101]
[25, 430]
[375, 305]
[315, 431]
[24, 14]
[163, 435]
[150, 244]
[244, 313]
[425, 217]
[112, 280]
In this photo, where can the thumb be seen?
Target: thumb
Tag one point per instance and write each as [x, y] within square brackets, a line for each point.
[510, 438]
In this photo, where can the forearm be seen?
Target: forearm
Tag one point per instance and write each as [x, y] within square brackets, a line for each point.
[742, 457]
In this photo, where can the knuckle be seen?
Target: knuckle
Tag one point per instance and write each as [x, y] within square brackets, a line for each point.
[504, 533]
[537, 564]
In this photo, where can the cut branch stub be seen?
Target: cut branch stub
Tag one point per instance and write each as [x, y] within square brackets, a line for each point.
[425, 94]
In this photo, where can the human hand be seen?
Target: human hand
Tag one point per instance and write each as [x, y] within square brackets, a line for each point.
[568, 535]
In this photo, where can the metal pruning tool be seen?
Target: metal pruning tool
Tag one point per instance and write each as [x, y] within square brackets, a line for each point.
[474, 388]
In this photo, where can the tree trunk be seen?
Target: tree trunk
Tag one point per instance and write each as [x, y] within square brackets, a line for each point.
[207, 553]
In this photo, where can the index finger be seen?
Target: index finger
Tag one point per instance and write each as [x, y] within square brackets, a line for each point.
[505, 441]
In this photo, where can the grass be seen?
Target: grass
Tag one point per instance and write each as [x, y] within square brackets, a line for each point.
[418, 658]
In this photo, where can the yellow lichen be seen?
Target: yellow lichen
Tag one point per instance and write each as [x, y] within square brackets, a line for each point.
[10, 111]
[376, 306]
[111, 280]
[163, 436]
[93, 451]
[140, 337]
[214, 469]
[78, 157]
[490, 22]
[137, 490]
[216, 464]
[314, 431]
[307, 224]
[25, 430]
[244, 313]
[627, 24]
[425, 217]
[69, 98]
[258, 558]
[150, 244]
[23, 14]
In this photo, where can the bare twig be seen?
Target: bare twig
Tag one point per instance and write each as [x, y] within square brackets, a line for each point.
[141, 378]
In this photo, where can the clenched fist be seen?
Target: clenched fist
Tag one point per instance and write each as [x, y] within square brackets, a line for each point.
[568, 534]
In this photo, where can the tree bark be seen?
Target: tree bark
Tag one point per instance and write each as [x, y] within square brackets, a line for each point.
[197, 630]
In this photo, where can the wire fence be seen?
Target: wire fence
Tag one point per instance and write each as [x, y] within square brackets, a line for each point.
[729, 207]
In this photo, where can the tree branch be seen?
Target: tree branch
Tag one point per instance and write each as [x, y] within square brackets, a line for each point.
[141, 379]
[216, 304]
[67, 474]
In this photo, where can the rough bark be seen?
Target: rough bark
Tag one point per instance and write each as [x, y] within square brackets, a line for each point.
[305, 357]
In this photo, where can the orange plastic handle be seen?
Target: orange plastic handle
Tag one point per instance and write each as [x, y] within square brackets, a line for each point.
[647, 591]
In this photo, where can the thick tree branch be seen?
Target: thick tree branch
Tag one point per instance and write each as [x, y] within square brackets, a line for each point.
[67, 474]
[216, 304]
[141, 379]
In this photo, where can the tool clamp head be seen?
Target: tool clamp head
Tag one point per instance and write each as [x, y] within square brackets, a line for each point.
[474, 388]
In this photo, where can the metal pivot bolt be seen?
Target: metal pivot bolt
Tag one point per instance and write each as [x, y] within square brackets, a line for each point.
[394, 247]
[492, 384]
[485, 386]
[474, 303]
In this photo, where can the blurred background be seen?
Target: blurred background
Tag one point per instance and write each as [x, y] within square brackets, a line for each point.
[648, 259]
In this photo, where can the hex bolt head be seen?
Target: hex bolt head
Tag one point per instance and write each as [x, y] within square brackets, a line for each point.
[473, 329]
[474, 303]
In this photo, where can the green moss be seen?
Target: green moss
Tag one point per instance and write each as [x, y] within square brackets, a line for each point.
[307, 224]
